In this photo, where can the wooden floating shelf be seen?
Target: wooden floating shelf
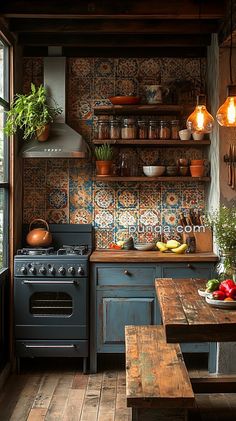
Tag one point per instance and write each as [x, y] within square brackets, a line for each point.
[147, 179]
[152, 142]
[139, 109]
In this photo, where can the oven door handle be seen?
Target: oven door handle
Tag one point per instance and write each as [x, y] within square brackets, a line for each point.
[51, 346]
[39, 282]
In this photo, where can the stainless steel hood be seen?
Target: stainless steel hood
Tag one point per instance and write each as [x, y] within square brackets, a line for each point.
[64, 142]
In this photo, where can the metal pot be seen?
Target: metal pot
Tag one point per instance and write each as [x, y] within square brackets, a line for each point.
[39, 237]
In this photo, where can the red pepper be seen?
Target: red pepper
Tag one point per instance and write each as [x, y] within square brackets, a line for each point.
[232, 293]
[226, 286]
[218, 295]
[114, 246]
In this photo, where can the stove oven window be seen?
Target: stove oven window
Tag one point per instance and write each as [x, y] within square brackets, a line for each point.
[57, 304]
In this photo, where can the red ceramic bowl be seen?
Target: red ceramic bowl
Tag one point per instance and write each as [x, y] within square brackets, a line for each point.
[124, 100]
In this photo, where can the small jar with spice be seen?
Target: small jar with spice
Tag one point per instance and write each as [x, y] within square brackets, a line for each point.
[164, 132]
[153, 129]
[114, 129]
[103, 131]
[142, 129]
[129, 129]
[174, 125]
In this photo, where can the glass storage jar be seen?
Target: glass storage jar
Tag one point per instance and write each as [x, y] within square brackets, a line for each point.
[174, 124]
[142, 129]
[164, 132]
[103, 131]
[129, 129]
[124, 165]
[114, 129]
[153, 129]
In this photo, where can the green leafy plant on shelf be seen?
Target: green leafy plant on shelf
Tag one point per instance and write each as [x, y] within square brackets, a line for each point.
[104, 157]
[31, 113]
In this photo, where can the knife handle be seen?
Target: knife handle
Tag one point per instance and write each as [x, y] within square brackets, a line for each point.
[229, 174]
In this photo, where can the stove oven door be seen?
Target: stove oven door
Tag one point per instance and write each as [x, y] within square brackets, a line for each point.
[51, 308]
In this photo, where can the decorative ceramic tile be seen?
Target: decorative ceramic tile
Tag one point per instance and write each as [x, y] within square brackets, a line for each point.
[194, 197]
[103, 87]
[81, 199]
[149, 156]
[171, 197]
[103, 218]
[57, 163]
[79, 88]
[149, 217]
[57, 177]
[125, 234]
[149, 237]
[149, 70]
[104, 198]
[57, 216]
[149, 198]
[127, 198]
[126, 87]
[103, 238]
[81, 216]
[104, 67]
[126, 218]
[127, 67]
[81, 67]
[29, 177]
[57, 198]
[31, 214]
[169, 218]
[34, 199]
[39, 177]
[28, 198]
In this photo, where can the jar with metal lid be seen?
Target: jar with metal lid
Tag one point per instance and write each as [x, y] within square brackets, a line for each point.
[153, 129]
[142, 129]
[103, 131]
[129, 129]
[174, 125]
[114, 129]
[164, 132]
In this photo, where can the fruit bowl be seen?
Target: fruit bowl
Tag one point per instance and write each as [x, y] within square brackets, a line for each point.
[124, 100]
[154, 170]
[144, 246]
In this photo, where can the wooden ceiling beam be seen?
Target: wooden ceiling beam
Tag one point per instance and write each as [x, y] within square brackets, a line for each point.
[130, 26]
[45, 39]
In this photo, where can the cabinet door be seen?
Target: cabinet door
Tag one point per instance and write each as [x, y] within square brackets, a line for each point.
[188, 270]
[115, 310]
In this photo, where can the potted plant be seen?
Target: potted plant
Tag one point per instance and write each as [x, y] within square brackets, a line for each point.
[104, 156]
[31, 113]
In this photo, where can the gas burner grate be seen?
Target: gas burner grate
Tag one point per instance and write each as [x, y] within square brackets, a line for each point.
[40, 251]
[73, 250]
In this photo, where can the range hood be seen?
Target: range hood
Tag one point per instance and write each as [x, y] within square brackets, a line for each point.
[64, 142]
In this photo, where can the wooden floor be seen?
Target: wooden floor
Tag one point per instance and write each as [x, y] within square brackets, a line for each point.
[57, 390]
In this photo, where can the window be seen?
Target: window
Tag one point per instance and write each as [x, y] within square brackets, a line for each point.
[4, 152]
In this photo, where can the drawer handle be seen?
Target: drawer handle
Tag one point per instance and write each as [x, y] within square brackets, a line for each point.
[127, 273]
[189, 266]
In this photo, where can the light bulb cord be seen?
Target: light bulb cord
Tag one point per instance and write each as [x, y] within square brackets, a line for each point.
[231, 42]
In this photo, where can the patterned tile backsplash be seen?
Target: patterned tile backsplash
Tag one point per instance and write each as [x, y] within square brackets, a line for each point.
[62, 190]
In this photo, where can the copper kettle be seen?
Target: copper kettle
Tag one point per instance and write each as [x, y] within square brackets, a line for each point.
[39, 237]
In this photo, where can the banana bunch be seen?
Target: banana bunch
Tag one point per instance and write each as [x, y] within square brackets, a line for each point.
[172, 245]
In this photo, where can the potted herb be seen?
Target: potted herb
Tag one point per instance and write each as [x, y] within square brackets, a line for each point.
[31, 113]
[104, 157]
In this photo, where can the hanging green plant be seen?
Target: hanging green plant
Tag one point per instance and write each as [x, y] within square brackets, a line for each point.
[30, 113]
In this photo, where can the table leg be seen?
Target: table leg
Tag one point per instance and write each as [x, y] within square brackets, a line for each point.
[212, 357]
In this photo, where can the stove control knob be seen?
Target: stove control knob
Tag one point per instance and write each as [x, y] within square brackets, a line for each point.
[61, 270]
[23, 270]
[52, 271]
[80, 271]
[42, 270]
[32, 270]
[71, 270]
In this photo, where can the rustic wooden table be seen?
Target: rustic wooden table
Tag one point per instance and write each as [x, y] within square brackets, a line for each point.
[187, 317]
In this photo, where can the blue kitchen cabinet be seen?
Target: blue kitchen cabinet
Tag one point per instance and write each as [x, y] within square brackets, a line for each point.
[124, 294]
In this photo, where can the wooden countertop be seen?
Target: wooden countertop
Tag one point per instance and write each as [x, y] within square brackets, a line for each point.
[133, 256]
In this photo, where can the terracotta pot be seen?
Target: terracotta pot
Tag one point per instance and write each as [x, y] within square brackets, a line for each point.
[197, 161]
[197, 170]
[104, 167]
[39, 237]
[43, 133]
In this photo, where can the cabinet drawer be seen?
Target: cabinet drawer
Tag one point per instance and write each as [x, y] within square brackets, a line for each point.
[126, 275]
[188, 270]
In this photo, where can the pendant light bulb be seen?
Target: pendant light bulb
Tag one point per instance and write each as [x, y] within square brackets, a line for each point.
[200, 121]
[226, 115]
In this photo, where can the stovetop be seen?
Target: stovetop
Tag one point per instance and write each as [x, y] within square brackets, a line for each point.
[65, 250]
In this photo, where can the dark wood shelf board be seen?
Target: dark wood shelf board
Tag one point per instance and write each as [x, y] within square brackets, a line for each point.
[153, 142]
[147, 179]
[139, 109]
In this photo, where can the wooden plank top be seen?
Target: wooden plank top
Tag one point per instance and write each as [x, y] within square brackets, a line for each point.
[156, 375]
[188, 318]
[133, 256]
